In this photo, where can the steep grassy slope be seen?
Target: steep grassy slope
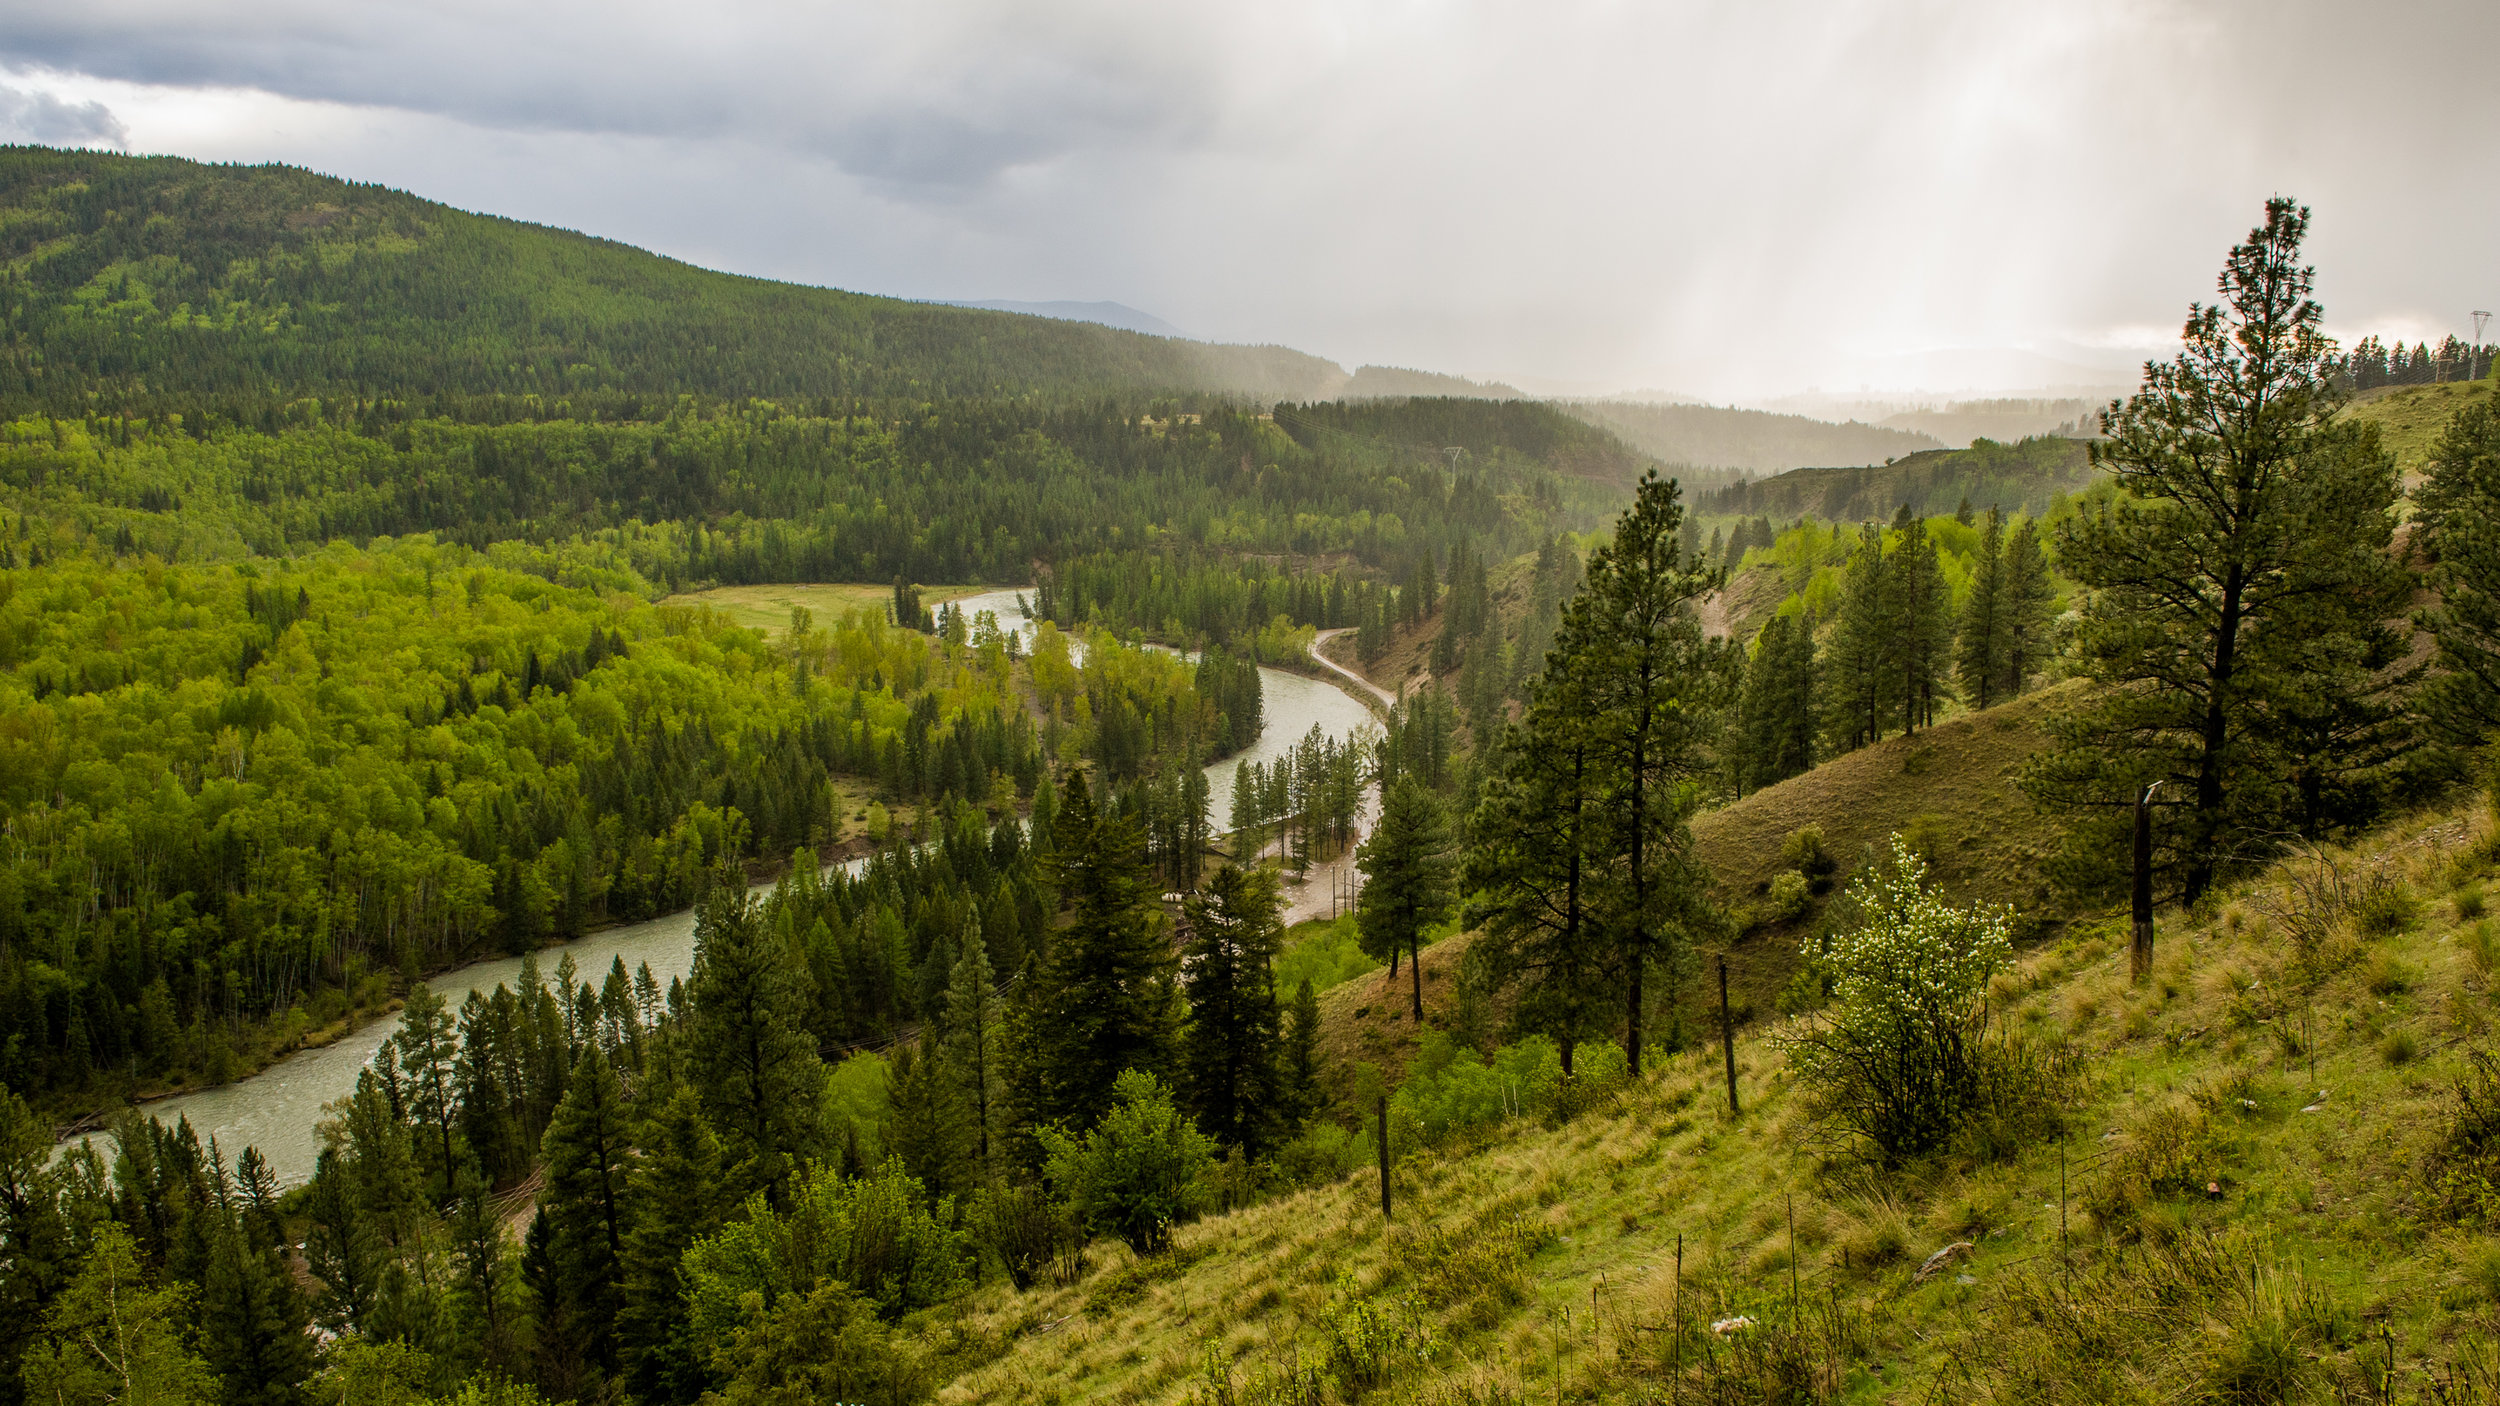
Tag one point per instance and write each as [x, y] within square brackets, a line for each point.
[2410, 418]
[162, 275]
[2243, 1207]
[1950, 789]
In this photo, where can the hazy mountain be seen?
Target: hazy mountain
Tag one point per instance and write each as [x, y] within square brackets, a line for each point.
[1748, 441]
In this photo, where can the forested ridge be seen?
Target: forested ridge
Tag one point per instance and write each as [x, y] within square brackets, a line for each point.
[154, 276]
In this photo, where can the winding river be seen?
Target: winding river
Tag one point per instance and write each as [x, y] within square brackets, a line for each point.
[276, 1110]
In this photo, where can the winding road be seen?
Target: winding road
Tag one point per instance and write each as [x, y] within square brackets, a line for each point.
[1369, 688]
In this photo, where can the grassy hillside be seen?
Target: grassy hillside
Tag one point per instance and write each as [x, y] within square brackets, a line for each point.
[1950, 789]
[2410, 418]
[1749, 441]
[159, 275]
[2024, 477]
[2243, 1206]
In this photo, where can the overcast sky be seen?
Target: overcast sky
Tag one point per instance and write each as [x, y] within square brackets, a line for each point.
[1741, 198]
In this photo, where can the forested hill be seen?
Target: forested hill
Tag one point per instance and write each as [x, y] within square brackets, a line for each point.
[140, 277]
[2020, 478]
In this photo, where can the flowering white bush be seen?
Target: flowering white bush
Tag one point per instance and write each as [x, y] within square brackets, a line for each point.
[1896, 1057]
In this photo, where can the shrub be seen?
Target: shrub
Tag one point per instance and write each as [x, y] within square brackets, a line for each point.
[2464, 1168]
[1030, 1234]
[1805, 852]
[2170, 1150]
[1790, 892]
[2470, 902]
[2398, 1047]
[1897, 1059]
[877, 1233]
[2385, 908]
[1141, 1171]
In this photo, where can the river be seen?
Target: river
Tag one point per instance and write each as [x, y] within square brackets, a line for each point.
[276, 1110]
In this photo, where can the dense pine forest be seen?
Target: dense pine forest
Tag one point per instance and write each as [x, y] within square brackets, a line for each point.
[346, 636]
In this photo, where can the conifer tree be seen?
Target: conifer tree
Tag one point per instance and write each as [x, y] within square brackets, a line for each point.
[589, 1154]
[1529, 873]
[251, 1319]
[1102, 1002]
[1653, 685]
[1859, 662]
[36, 1234]
[761, 1079]
[428, 1050]
[975, 1032]
[1301, 1056]
[1229, 1075]
[1921, 622]
[488, 1276]
[2461, 517]
[924, 1121]
[1774, 733]
[2025, 609]
[1409, 883]
[673, 1194]
[2234, 594]
[1980, 661]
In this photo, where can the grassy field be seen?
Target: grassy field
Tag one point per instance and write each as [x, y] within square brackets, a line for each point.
[2239, 1209]
[767, 608]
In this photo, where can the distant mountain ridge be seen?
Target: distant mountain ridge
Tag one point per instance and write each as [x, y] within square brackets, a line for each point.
[154, 276]
[1106, 314]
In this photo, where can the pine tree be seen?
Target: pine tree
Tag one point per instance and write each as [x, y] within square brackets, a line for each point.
[2235, 591]
[751, 1056]
[1859, 662]
[673, 1194]
[251, 1319]
[428, 1050]
[1103, 1001]
[1301, 1055]
[485, 1291]
[2461, 514]
[1774, 734]
[924, 1122]
[32, 1227]
[1408, 880]
[2025, 610]
[975, 1029]
[1530, 869]
[1921, 622]
[1229, 1076]
[1979, 663]
[589, 1153]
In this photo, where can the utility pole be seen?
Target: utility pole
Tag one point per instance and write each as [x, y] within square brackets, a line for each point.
[2140, 955]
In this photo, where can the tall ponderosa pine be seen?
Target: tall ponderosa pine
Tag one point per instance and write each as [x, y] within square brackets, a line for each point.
[1230, 1078]
[1102, 1001]
[758, 1070]
[1409, 879]
[2235, 595]
[1529, 871]
[1654, 687]
[428, 1049]
[924, 1119]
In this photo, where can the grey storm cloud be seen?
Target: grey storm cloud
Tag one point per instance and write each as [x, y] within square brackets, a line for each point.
[47, 119]
[1602, 192]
